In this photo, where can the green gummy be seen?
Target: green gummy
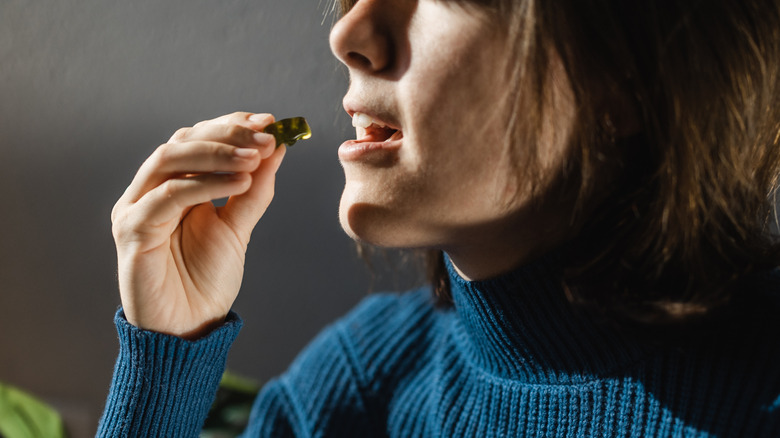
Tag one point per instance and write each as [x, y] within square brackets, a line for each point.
[288, 131]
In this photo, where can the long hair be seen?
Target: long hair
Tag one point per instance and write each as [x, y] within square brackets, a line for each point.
[689, 215]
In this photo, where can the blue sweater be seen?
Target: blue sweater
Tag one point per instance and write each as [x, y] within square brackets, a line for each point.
[511, 358]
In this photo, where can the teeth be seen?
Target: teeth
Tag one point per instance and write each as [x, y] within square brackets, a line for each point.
[360, 132]
[360, 120]
[364, 121]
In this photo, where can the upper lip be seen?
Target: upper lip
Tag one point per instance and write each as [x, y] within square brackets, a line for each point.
[379, 116]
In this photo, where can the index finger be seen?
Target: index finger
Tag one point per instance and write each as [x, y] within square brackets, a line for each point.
[255, 121]
[260, 120]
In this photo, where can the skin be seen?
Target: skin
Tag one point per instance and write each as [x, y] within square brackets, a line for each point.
[180, 258]
[435, 69]
[432, 68]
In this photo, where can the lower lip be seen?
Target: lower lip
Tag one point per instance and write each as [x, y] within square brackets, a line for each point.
[357, 151]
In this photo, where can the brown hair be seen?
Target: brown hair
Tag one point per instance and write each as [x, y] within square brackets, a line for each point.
[689, 215]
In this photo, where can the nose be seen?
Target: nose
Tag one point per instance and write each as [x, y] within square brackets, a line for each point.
[362, 39]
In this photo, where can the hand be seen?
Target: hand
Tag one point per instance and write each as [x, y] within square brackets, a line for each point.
[181, 259]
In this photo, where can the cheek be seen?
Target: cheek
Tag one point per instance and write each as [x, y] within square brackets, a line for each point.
[450, 174]
[459, 124]
[464, 160]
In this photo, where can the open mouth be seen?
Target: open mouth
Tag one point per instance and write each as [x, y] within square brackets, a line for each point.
[377, 142]
[368, 129]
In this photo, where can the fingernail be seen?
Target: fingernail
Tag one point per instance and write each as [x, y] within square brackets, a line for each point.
[262, 138]
[244, 152]
[258, 117]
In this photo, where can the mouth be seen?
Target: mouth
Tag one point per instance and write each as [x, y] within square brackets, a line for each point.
[377, 142]
[369, 129]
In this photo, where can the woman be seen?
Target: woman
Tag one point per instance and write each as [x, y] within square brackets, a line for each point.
[593, 181]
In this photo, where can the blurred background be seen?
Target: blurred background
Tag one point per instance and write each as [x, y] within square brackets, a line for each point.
[88, 89]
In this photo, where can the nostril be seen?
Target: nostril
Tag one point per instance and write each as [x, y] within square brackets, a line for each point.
[357, 60]
[361, 39]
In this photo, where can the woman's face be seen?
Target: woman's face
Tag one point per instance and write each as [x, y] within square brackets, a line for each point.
[435, 73]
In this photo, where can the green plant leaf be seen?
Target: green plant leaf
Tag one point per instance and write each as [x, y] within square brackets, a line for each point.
[24, 416]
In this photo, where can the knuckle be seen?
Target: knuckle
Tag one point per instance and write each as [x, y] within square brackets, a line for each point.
[122, 223]
[121, 229]
[162, 154]
[118, 231]
[180, 134]
[217, 154]
[236, 132]
[115, 212]
[168, 189]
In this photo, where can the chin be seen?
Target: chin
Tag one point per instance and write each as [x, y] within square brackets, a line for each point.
[370, 223]
[348, 228]
[384, 227]
[365, 222]
[361, 218]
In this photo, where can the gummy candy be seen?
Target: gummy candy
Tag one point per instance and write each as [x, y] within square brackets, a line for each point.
[289, 131]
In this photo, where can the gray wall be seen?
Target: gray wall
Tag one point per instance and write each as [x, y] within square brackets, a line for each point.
[87, 90]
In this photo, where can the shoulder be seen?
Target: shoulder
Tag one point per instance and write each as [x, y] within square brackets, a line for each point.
[333, 381]
[381, 312]
[381, 323]
[388, 337]
[370, 341]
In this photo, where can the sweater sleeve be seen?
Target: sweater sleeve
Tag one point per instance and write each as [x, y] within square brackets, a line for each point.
[163, 386]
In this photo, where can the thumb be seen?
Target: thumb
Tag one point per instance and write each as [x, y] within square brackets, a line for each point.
[243, 211]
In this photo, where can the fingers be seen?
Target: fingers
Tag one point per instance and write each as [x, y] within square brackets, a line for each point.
[243, 211]
[148, 223]
[252, 120]
[210, 146]
[239, 135]
[167, 202]
[224, 157]
[173, 160]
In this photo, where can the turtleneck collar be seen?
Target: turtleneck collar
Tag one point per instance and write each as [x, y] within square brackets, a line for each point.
[521, 326]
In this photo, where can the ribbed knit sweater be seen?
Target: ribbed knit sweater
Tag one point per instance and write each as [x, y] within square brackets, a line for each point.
[510, 358]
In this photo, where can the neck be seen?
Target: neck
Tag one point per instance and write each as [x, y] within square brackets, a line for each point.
[487, 250]
[474, 264]
[521, 326]
[502, 252]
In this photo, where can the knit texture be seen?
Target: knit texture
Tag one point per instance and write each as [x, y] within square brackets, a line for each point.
[163, 386]
[511, 358]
